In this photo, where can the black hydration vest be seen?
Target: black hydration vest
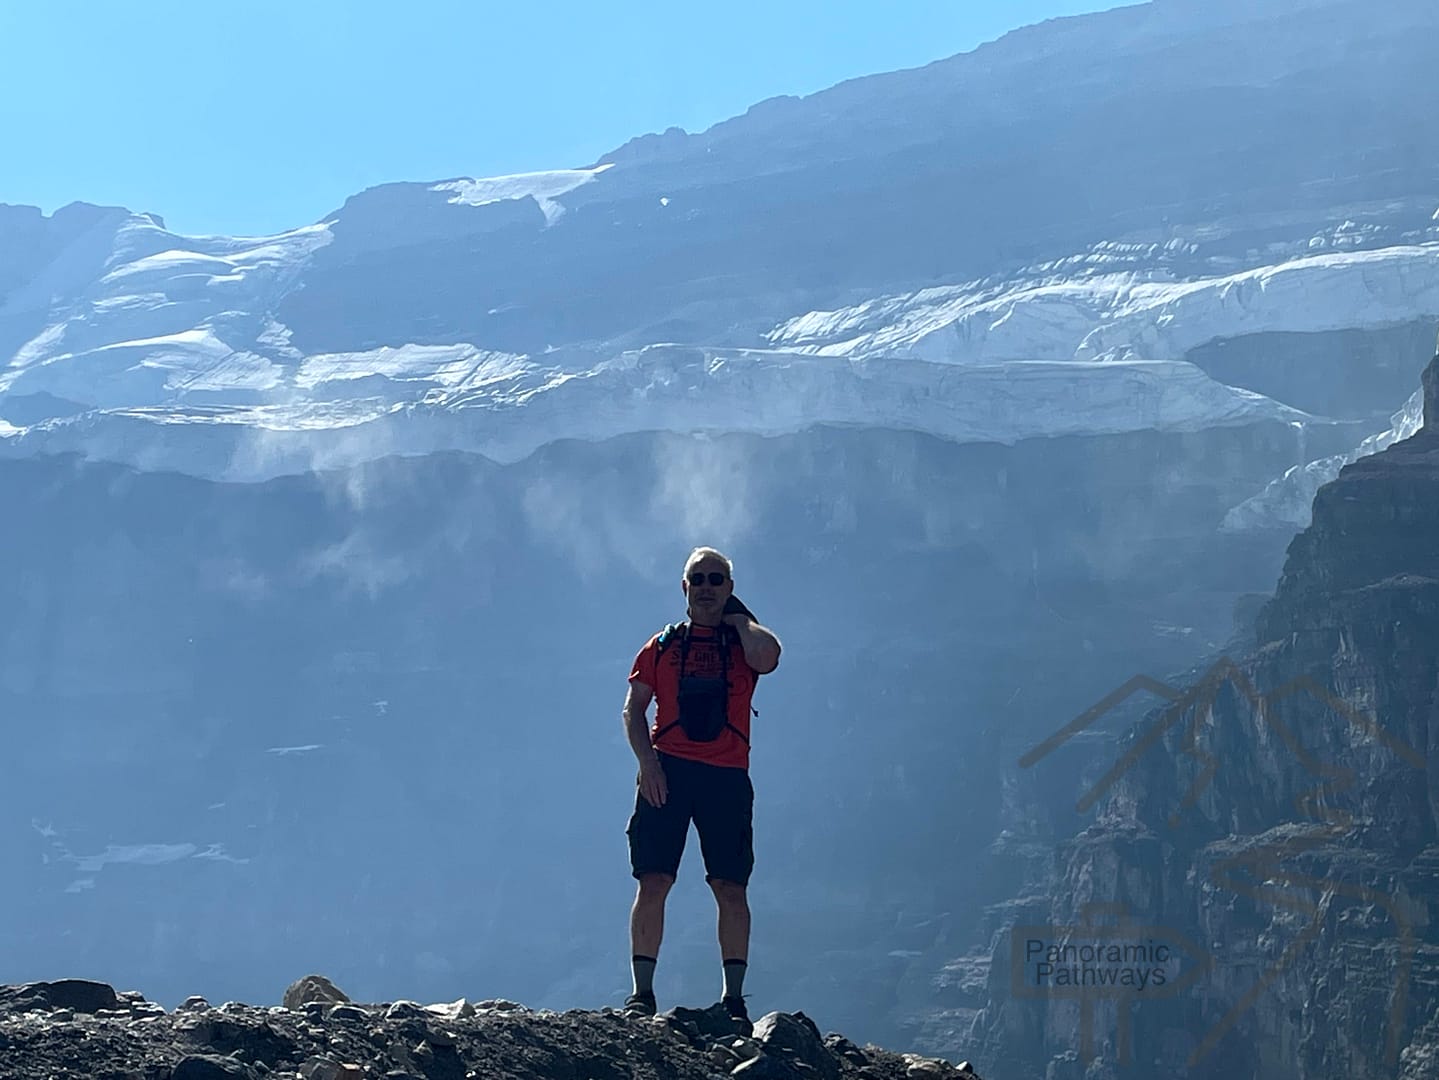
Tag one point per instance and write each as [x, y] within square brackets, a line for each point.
[703, 700]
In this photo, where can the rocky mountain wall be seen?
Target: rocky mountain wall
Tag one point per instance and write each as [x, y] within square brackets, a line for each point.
[1275, 821]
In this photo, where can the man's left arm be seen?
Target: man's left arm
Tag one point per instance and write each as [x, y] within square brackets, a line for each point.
[761, 647]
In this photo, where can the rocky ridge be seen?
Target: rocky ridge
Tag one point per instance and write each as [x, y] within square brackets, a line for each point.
[75, 1028]
[1278, 819]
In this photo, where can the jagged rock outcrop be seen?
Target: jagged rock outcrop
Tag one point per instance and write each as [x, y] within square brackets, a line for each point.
[82, 1029]
[1276, 825]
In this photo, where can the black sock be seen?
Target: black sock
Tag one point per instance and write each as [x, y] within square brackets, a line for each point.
[643, 968]
[734, 978]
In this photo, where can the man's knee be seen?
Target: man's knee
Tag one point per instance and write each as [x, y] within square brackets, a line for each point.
[654, 887]
[728, 893]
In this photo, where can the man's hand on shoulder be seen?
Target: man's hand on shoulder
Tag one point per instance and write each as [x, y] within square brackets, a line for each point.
[761, 647]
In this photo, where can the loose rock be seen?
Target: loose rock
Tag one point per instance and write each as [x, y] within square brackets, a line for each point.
[406, 1041]
[312, 988]
[212, 1067]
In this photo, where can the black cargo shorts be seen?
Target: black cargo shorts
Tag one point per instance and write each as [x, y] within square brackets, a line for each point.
[719, 800]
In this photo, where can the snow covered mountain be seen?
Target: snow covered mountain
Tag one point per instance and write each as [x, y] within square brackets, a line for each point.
[765, 276]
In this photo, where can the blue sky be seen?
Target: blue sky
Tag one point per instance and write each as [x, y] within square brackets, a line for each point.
[250, 116]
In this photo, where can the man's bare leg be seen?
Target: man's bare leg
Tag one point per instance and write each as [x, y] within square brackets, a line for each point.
[647, 917]
[733, 904]
[647, 929]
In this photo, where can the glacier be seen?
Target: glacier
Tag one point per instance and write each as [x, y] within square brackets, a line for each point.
[507, 416]
[842, 258]
[178, 336]
[1120, 316]
[543, 187]
[1286, 501]
[769, 275]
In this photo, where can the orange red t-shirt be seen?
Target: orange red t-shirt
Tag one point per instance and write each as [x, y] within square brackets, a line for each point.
[663, 677]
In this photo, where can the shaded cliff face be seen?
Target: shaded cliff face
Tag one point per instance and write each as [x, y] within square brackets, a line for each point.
[1277, 825]
[326, 720]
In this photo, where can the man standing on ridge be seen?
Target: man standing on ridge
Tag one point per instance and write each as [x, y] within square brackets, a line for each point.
[694, 765]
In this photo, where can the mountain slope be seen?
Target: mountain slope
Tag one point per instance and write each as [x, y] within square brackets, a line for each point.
[1278, 819]
[1017, 203]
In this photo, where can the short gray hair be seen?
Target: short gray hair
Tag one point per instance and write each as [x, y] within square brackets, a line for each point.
[701, 553]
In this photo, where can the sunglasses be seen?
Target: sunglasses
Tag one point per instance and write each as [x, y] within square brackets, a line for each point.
[715, 577]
